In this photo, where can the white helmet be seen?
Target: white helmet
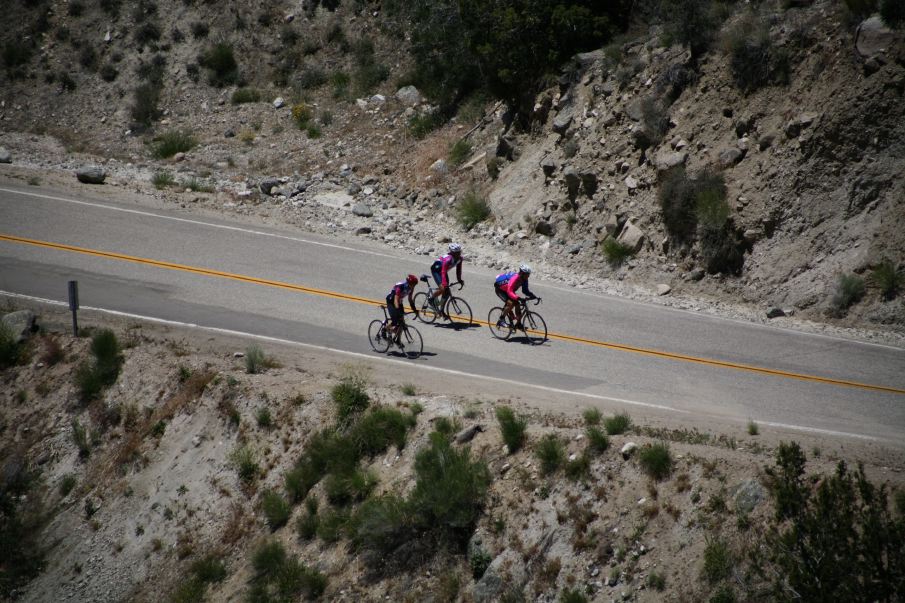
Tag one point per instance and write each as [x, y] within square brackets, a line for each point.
[455, 248]
[525, 268]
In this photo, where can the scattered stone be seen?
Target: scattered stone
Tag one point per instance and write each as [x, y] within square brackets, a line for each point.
[628, 450]
[730, 156]
[631, 236]
[230, 133]
[5, 156]
[196, 441]
[665, 160]
[563, 121]
[468, 434]
[873, 37]
[588, 183]
[363, 210]
[797, 124]
[21, 324]
[608, 88]
[775, 312]
[440, 167]
[574, 249]
[752, 236]
[363, 230]
[408, 95]
[268, 184]
[354, 188]
[631, 183]
[663, 289]
[633, 110]
[696, 274]
[748, 495]
[545, 228]
[91, 175]
[505, 147]
[279, 102]
[378, 99]
[238, 354]
[572, 180]
[547, 165]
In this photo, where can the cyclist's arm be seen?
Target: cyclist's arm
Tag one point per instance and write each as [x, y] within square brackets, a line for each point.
[412, 302]
[527, 291]
[459, 271]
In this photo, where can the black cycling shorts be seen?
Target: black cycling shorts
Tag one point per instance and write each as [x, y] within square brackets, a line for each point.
[394, 312]
[500, 292]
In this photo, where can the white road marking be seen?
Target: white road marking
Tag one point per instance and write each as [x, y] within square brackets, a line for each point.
[610, 297]
[438, 369]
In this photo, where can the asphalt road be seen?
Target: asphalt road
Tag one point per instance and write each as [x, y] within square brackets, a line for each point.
[633, 353]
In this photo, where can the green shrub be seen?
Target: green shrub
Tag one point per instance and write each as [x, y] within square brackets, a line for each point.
[753, 59]
[22, 518]
[198, 186]
[711, 208]
[209, 569]
[350, 397]
[888, 278]
[551, 453]
[162, 180]
[446, 427]
[680, 196]
[472, 210]
[892, 12]
[722, 249]
[479, 562]
[67, 484]
[718, 560]
[306, 525]
[691, 23]
[302, 114]
[348, 487]
[276, 510]
[459, 152]
[16, 54]
[849, 290]
[220, 61]
[654, 123]
[656, 460]
[512, 427]
[172, 142]
[340, 82]
[450, 489]
[572, 595]
[9, 347]
[279, 577]
[753, 428]
[144, 108]
[598, 442]
[861, 9]
[424, 123]
[723, 594]
[91, 377]
[379, 428]
[332, 524]
[313, 131]
[254, 359]
[200, 29]
[382, 524]
[616, 253]
[81, 438]
[244, 461]
[265, 420]
[591, 416]
[579, 468]
[656, 581]
[493, 167]
[311, 78]
[147, 34]
[617, 424]
[408, 389]
[245, 95]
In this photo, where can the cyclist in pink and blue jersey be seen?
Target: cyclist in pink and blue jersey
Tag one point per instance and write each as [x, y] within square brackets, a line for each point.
[441, 267]
[505, 286]
[395, 306]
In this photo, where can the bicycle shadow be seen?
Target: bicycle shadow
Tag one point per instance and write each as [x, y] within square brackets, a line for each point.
[454, 326]
[522, 339]
[400, 354]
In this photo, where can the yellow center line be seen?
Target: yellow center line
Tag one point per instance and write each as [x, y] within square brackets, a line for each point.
[373, 302]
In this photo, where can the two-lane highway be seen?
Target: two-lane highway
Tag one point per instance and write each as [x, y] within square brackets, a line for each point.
[300, 287]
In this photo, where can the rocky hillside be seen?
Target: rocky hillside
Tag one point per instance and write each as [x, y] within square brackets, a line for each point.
[297, 110]
[148, 464]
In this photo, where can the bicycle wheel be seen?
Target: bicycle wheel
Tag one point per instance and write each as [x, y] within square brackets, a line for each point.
[412, 341]
[378, 337]
[535, 328]
[458, 311]
[499, 324]
[426, 312]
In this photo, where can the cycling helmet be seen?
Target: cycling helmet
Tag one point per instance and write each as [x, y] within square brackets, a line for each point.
[412, 279]
[455, 248]
[525, 268]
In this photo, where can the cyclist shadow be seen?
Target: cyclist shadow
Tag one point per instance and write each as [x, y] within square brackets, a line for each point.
[397, 353]
[456, 326]
[525, 341]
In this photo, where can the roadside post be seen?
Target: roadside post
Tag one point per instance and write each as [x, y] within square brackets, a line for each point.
[74, 306]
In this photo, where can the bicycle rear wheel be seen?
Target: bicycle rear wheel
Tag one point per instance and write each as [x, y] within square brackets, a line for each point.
[458, 311]
[499, 324]
[412, 341]
[535, 328]
[426, 312]
[378, 337]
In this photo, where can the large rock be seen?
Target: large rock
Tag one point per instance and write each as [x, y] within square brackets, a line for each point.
[563, 121]
[545, 228]
[440, 167]
[748, 495]
[468, 434]
[5, 156]
[20, 324]
[730, 156]
[572, 180]
[548, 166]
[634, 111]
[797, 124]
[91, 175]
[588, 183]
[873, 37]
[631, 236]
[666, 160]
[268, 184]
[408, 95]
[507, 570]
[505, 147]
[361, 209]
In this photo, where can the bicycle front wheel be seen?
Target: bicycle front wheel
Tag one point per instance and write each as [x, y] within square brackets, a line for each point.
[378, 337]
[426, 312]
[459, 312]
[412, 341]
[499, 324]
[535, 328]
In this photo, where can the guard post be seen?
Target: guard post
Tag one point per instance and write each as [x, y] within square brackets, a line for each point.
[74, 306]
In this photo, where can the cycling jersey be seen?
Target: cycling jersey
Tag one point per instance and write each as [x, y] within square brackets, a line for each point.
[510, 282]
[441, 267]
[400, 289]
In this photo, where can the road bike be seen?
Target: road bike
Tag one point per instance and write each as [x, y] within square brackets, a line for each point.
[407, 337]
[451, 308]
[533, 325]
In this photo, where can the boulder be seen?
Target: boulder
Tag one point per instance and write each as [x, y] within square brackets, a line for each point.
[696, 274]
[608, 88]
[628, 450]
[611, 226]
[507, 570]
[91, 175]
[633, 110]
[748, 495]
[795, 125]
[873, 37]
[572, 180]
[408, 95]
[775, 312]
[505, 147]
[440, 167]
[631, 236]
[5, 156]
[666, 160]
[20, 324]
[545, 228]
[279, 102]
[563, 121]
[468, 434]
[268, 184]
[354, 188]
[230, 133]
[588, 183]
[663, 289]
[548, 166]
[362, 209]
[631, 183]
[730, 156]
[363, 230]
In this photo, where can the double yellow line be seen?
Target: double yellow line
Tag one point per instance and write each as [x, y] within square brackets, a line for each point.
[372, 302]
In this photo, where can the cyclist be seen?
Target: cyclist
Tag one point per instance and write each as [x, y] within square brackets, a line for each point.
[396, 308]
[440, 270]
[505, 286]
